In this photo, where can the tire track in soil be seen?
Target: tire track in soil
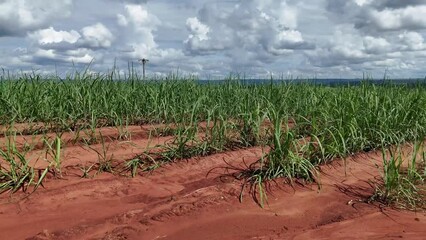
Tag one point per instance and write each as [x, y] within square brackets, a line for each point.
[176, 189]
[192, 200]
[289, 214]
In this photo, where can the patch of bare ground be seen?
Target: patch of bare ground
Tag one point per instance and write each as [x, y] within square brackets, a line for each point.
[85, 136]
[199, 199]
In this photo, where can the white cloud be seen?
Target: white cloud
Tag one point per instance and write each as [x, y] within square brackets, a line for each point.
[50, 35]
[412, 41]
[265, 28]
[46, 57]
[137, 14]
[50, 54]
[122, 20]
[140, 18]
[19, 16]
[97, 36]
[212, 38]
[66, 47]
[376, 45]
[197, 40]
[344, 48]
[94, 36]
[363, 2]
[287, 40]
[287, 15]
[391, 63]
[139, 26]
[197, 29]
[393, 19]
[142, 25]
[86, 59]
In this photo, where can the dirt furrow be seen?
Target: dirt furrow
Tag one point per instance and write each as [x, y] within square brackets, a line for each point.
[294, 213]
[107, 134]
[107, 199]
[199, 199]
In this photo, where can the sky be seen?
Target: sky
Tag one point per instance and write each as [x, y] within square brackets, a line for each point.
[212, 39]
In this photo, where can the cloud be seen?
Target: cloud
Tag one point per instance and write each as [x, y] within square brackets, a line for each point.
[372, 35]
[349, 51]
[344, 48]
[324, 38]
[51, 36]
[197, 29]
[92, 36]
[96, 36]
[131, 1]
[47, 57]
[288, 40]
[394, 4]
[376, 45]
[395, 19]
[379, 15]
[139, 26]
[198, 38]
[17, 17]
[139, 17]
[265, 28]
[58, 46]
[136, 1]
[412, 41]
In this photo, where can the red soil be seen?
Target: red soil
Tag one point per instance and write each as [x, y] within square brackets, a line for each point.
[199, 199]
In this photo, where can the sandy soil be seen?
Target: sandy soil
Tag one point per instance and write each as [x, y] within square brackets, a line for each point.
[199, 199]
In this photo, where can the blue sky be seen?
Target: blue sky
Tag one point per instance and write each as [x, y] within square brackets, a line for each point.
[305, 38]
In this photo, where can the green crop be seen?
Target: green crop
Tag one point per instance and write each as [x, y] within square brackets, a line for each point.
[403, 186]
[301, 124]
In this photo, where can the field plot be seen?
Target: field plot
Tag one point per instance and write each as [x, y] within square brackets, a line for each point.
[95, 158]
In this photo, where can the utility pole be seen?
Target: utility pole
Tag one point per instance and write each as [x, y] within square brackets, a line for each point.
[143, 61]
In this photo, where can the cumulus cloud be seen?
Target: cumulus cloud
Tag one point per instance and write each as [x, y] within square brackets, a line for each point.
[97, 36]
[379, 34]
[213, 38]
[343, 48]
[395, 19]
[379, 15]
[198, 39]
[58, 46]
[197, 29]
[288, 40]
[140, 26]
[412, 41]
[376, 45]
[50, 36]
[17, 17]
[92, 36]
[46, 57]
[264, 28]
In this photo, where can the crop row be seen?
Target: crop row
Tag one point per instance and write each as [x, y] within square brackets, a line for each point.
[306, 125]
